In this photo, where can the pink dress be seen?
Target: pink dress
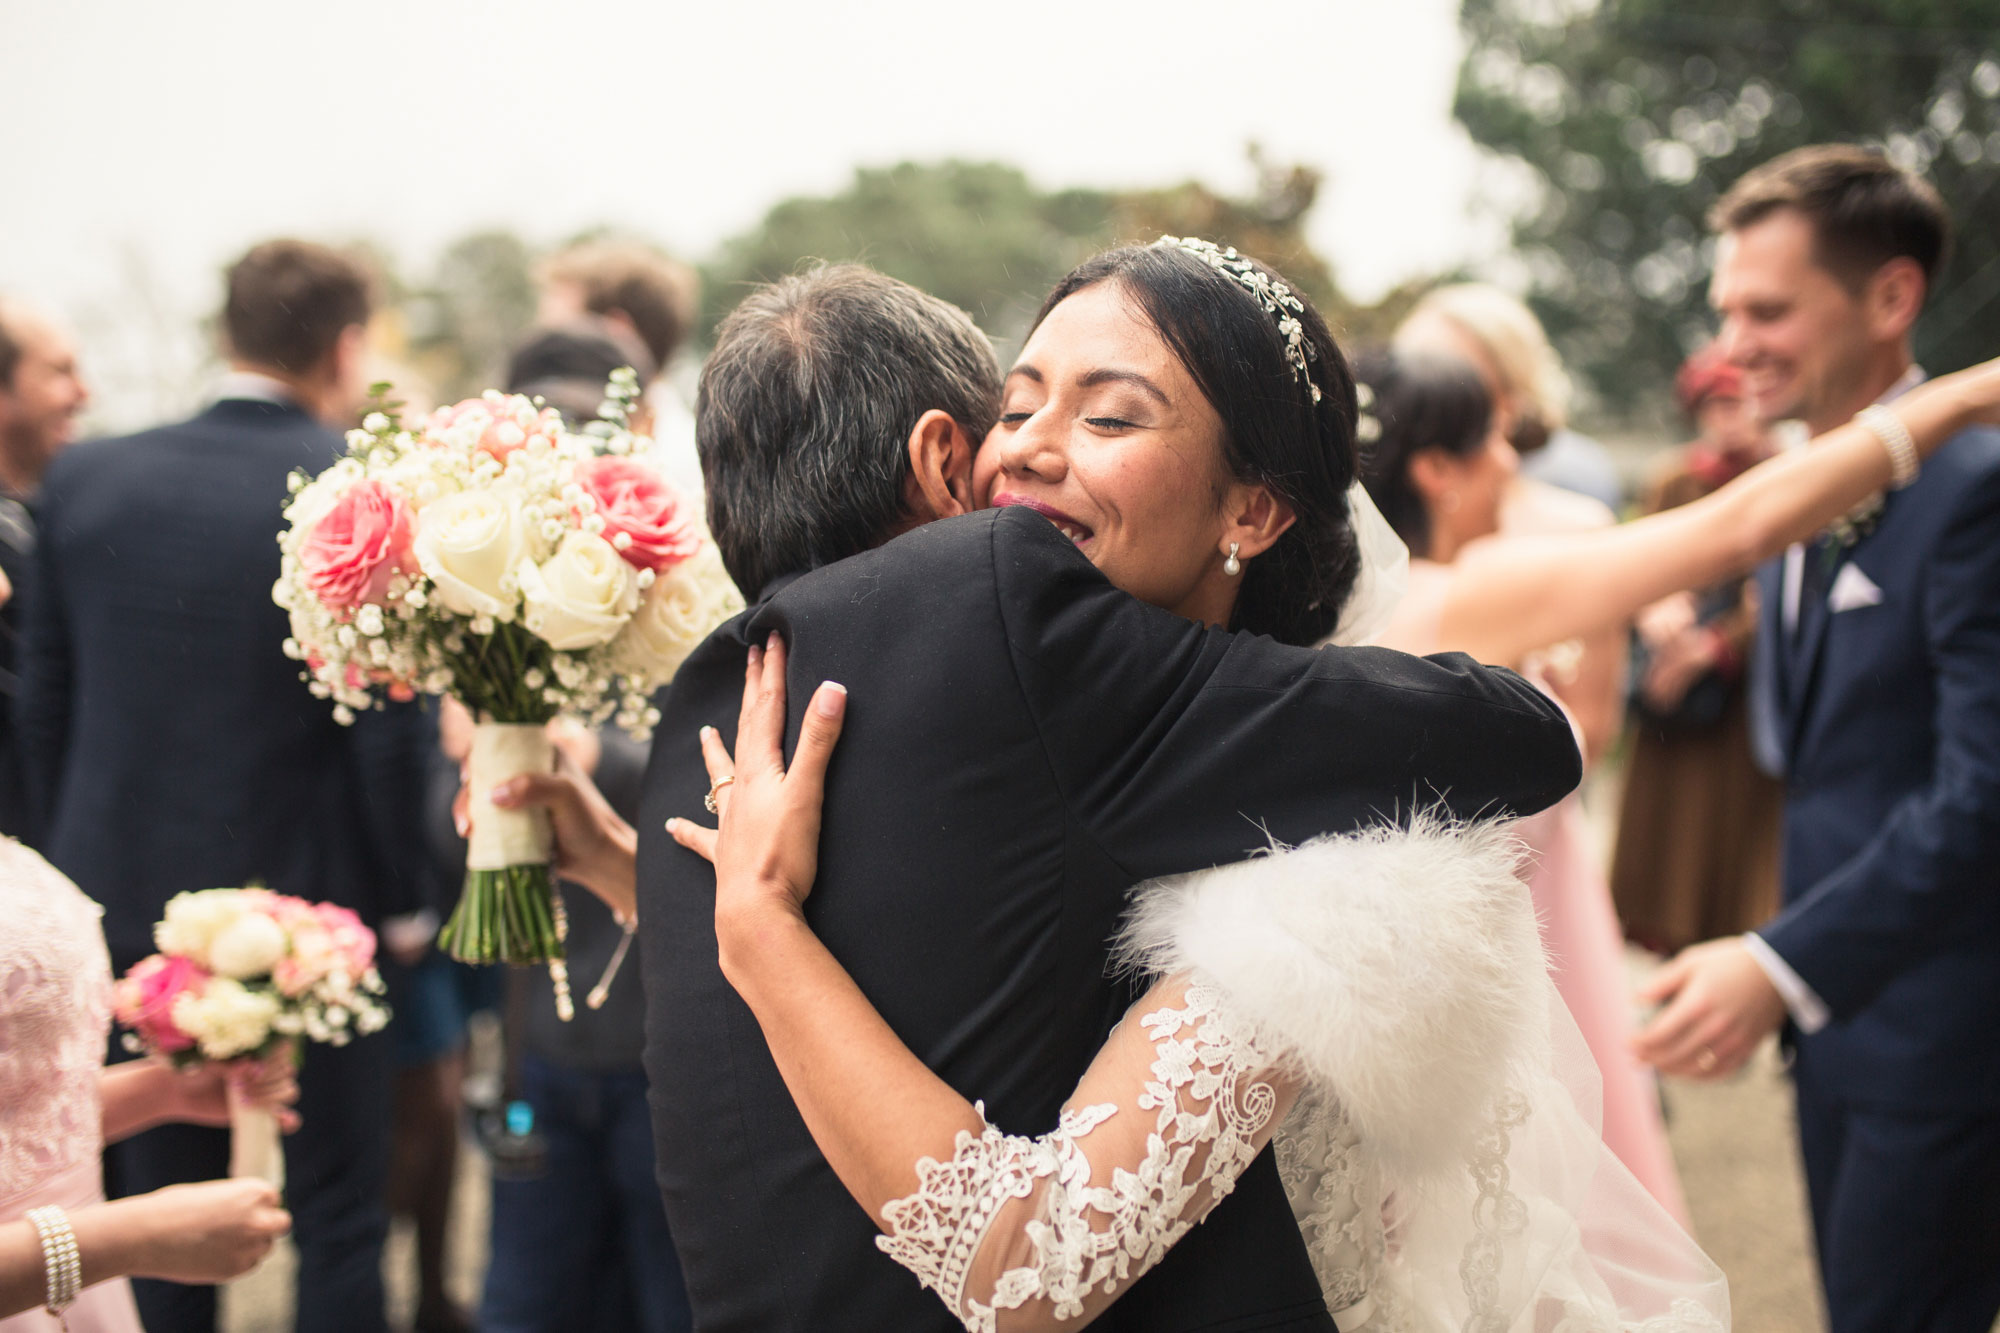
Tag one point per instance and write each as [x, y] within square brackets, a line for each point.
[1580, 929]
[55, 1015]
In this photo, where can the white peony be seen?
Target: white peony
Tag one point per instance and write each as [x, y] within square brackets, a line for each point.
[581, 596]
[193, 921]
[681, 608]
[247, 947]
[226, 1018]
[467, 543]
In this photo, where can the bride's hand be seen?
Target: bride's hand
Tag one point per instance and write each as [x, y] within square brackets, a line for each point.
[766, 850]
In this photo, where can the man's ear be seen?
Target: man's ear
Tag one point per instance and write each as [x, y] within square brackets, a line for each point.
[1257, 518]
[1895, 297]
[940, 480]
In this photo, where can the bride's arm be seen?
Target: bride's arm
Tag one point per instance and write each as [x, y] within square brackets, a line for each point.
[1029, 1228]
[1510, 596]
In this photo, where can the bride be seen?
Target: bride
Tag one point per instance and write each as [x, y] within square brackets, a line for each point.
[1380, 997]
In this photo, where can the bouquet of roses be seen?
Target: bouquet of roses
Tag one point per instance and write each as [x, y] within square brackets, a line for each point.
[490, 553]
[244, 972]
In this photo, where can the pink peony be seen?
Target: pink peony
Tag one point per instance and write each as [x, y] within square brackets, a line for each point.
[358, 546]
[144, 1000]
[499, 424]
[640, 505]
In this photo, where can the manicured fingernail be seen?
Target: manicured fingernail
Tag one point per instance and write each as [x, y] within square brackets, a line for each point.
[831, 698]
[756, 654]
[706, 732]
[772, 642]
[674, 824]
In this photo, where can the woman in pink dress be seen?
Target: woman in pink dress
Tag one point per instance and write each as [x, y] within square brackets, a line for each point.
[1440, 472]
[59, 1105]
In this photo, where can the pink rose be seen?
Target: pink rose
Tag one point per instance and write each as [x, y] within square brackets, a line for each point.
[358, 546]
[354, 941]
[144, 1000]
[641, 506]
[499, 424]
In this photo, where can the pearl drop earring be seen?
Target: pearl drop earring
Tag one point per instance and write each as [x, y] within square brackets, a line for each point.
[1232, 566]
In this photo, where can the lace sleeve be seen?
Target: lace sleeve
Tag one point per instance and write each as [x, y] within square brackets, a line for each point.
[1020, 1234]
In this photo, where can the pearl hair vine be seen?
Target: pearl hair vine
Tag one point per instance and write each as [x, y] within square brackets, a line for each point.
[1275, 297]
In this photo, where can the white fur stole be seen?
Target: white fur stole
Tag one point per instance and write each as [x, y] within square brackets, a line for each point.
[1402, 968]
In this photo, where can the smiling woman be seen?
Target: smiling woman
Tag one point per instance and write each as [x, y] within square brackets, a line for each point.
[1198, 449]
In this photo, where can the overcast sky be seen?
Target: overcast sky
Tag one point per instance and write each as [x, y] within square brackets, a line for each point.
[163, 138]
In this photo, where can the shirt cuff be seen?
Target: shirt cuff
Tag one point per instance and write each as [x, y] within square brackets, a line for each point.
[1809, 1012]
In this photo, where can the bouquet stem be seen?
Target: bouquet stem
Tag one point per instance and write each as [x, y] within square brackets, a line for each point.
[255, 1149]
[507, 912]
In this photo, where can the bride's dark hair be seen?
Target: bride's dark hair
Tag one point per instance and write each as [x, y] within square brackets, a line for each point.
[1273, 433]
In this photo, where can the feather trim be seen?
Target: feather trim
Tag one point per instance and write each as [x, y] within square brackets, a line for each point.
[1402, 968]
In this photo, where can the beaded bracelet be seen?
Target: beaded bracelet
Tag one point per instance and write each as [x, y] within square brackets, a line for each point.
[1895, 436]
[64, 1263]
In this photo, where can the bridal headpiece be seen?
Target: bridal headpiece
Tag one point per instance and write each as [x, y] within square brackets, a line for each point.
[1276, 298]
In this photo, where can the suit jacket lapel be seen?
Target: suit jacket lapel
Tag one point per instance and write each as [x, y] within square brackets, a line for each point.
[1770, 700]
[1806, 649]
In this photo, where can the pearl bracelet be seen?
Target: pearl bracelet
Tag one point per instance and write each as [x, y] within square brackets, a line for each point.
[61, 1258]
[1895, 436]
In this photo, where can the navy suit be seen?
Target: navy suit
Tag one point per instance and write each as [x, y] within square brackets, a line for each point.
[1887, 721]
[169, 744]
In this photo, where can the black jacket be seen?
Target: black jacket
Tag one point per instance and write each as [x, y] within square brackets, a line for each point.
[167, 741]
[1024, 744]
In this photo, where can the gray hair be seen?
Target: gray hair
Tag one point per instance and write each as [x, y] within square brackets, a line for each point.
[805, 410]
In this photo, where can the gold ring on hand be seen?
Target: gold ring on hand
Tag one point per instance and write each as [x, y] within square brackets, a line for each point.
[708, 801]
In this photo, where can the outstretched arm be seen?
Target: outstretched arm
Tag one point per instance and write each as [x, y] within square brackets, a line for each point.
[1513, 595]
[1011, 1232]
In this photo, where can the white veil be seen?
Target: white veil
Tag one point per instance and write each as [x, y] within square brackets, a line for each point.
[1385, 573]
[1444, 1159]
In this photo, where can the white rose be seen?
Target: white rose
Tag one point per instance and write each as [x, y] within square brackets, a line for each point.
[581, 596]
[680, 609]
[226, 1018]
[315, 498]
[467, 543]
[192, 921]
[249, 946]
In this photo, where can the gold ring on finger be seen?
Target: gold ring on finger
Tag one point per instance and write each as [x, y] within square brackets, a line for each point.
[708, 801]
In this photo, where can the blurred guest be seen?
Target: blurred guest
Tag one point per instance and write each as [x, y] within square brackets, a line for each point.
[1697, 853]
[41, 395]
[169, 744]
[1565, 483]
[1876, 689]
[1501, 339]
[654, 298]
[567, 367]
[1440, 470]
[579, 1240]
[59, 1106]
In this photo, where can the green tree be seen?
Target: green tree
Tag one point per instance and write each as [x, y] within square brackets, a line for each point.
[1631, 117]
[461, 324]
[978, 234]
[985, 237]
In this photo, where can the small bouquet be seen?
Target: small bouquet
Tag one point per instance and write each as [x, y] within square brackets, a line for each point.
[243, 973]
[528, 570]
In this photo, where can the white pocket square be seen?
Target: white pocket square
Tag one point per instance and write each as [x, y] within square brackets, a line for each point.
[1852, 590]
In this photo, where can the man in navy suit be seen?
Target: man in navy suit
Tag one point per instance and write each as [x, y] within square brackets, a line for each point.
[169, 744]
[1877, 691]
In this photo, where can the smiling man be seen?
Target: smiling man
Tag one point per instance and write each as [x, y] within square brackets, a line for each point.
[1876, 690]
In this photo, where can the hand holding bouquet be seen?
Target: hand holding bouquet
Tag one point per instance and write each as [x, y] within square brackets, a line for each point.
[246, 973]
[528, 570]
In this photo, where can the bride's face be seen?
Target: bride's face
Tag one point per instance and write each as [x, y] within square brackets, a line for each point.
[1103, 431]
